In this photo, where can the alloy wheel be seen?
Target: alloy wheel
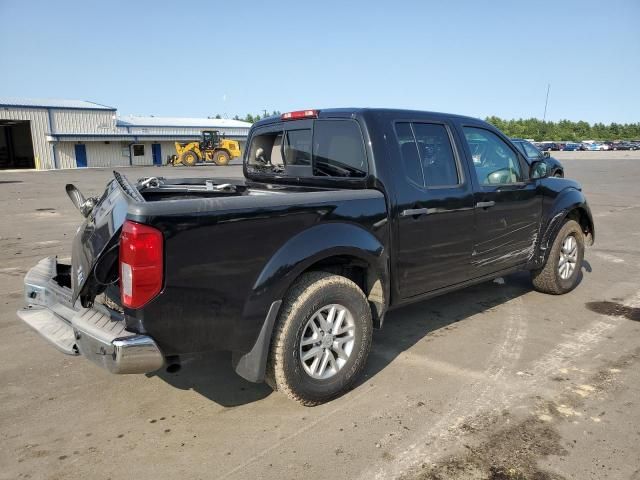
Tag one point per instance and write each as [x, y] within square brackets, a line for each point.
[568, 257]
[327, 341]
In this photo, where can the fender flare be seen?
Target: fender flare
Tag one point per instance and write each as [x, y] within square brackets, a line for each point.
[567, 201]
[312, 245]
[302, 251]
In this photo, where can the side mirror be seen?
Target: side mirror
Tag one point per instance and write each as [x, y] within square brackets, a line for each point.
[538, 169]
[546, 154]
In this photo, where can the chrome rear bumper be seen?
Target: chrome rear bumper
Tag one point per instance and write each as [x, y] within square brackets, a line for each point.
[97, 333]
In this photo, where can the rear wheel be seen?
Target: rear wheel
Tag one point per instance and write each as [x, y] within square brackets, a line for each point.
[189, 158]
[221, 158]
[322, 339]
[561, 271]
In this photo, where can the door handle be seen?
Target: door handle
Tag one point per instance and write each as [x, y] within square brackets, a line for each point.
[485, 204]
[413, 212]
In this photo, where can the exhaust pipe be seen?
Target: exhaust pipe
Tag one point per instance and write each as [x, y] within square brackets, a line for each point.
[173, 364]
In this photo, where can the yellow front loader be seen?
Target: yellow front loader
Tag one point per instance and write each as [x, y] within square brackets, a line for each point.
[212, 148]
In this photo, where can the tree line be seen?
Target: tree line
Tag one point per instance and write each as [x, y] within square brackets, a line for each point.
[565, 129]
[251, 118]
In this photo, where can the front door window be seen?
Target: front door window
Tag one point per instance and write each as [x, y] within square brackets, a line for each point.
[494, 161]
[531, 151]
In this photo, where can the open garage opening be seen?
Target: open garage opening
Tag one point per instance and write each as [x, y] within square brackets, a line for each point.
[16, 147]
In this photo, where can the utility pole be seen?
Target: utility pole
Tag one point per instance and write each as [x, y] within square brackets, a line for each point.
[265, 113]
[544, 117]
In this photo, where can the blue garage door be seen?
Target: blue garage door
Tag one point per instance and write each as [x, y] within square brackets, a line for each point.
[81, 155]
[156, 153]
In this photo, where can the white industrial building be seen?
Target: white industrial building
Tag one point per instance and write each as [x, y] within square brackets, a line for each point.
[48, 134]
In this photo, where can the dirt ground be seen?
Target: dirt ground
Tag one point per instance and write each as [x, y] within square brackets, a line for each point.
[492, 382]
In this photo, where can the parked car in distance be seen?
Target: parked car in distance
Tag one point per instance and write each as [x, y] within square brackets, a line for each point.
[549, 146]
[532, 154]
[343, 214]
[593, 146]
[572, 147]
[623, 146]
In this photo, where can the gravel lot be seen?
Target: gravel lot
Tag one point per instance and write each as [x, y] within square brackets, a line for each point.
[495, 381]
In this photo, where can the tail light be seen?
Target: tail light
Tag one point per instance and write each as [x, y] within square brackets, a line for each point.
[141, 263]
[299, 115]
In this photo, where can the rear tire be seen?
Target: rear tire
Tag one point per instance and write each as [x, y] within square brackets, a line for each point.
[561, 271]
[311, 295]
[221, 158]
[189, 158]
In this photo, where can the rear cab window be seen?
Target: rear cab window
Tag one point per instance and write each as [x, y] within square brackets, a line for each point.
[309, 148]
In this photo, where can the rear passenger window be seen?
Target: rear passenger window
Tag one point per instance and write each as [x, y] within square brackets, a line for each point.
[427, 154]
[338, 149]
[436, 154]
[409, 153]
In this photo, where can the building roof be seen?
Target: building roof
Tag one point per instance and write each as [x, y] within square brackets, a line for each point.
[52, 103]
[136, 121]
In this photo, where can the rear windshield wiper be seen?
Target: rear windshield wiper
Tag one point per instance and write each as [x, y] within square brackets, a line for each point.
[331, 169]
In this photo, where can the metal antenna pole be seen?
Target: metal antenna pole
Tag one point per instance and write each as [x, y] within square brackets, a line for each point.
[544, 117]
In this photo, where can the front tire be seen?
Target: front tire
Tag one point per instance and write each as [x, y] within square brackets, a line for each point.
[561, 271]
[189, 158]
[322, 339]
[221, 158]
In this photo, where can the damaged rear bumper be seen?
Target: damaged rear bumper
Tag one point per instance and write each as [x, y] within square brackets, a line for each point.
[97, 333]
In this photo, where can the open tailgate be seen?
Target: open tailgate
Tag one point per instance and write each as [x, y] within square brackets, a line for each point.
[95, 246]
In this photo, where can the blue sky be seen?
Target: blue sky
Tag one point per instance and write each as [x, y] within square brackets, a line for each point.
[199, 58]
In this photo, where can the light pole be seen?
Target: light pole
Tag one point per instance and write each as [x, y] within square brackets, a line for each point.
[544, 116]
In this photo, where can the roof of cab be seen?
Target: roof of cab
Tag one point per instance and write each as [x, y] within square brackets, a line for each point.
[347, 112]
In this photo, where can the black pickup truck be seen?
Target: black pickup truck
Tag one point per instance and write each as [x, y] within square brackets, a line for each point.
[343, 214]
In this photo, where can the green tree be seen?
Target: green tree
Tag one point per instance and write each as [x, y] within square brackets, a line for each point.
[566, 130]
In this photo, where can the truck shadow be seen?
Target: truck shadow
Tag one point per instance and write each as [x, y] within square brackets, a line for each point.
[406, 326]
[212, 376]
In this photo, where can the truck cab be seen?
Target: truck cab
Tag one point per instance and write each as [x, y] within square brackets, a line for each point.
[210, 139]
